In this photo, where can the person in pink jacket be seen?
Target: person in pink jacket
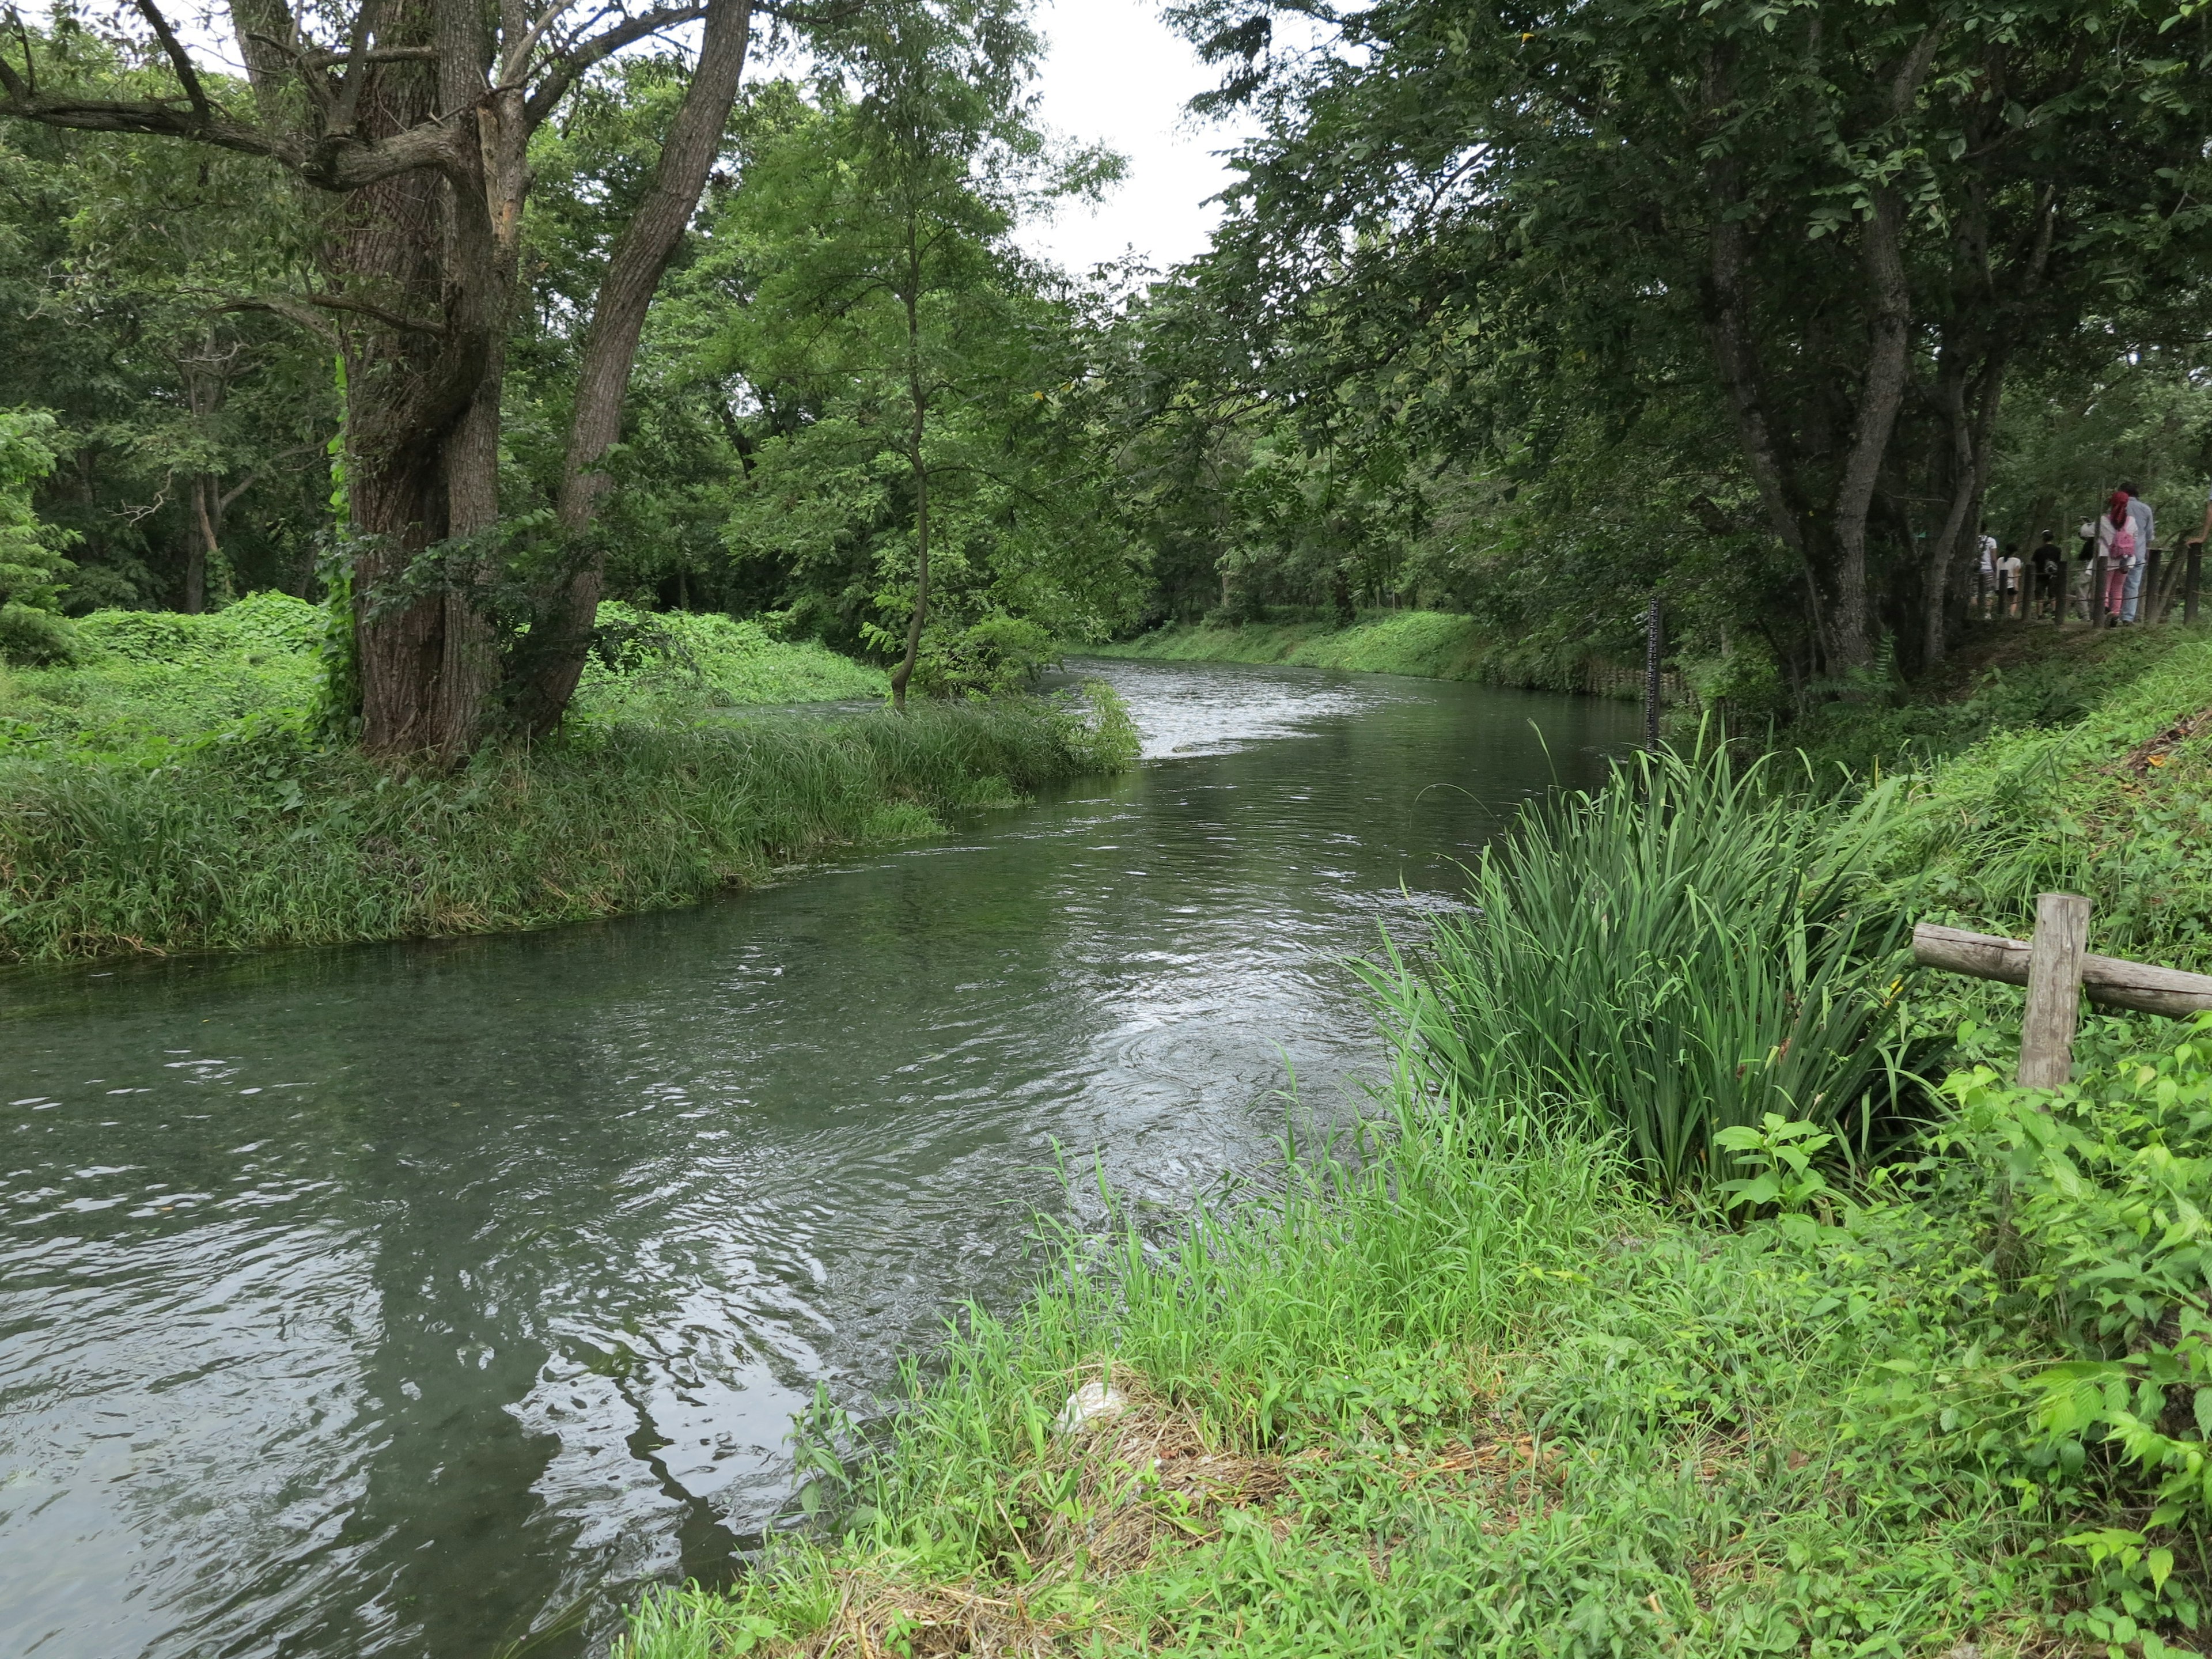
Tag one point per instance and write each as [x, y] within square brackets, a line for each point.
[2116, 540]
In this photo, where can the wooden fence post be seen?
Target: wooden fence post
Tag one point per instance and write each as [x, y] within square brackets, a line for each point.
[2189, 586]
[1651, 687]
[2054, 989]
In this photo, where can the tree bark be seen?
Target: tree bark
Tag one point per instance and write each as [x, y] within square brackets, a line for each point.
[919, 399]
[200, 547]
[1881, 395]
[561, 632]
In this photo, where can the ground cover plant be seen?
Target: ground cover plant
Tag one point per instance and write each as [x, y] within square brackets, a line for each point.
[135, 681]
[170, 789]
[1679, 953]
[2115, 805]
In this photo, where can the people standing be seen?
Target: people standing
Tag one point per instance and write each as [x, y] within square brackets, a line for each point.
[2050, 576]
[2145, 525]
[2116, 540]
[1986, 592]
[2008, 571]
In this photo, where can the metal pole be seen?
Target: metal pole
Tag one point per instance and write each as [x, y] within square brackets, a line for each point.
[1651, 674]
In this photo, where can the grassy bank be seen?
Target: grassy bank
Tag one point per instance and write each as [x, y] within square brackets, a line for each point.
[1426, 644]
[138, 682]
[1483, 1398]
[1887, 1370]
[164, 794]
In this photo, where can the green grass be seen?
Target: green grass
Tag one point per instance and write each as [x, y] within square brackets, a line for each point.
[260, 838]
[1471, 1393]
[2004, 677]
[162, 792]
[1426, 644]
[143, 681]
[2116, 804]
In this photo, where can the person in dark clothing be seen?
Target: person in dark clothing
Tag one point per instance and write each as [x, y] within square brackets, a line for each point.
[2050, 575]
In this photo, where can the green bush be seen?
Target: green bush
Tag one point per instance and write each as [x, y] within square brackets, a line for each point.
[2097, 1201]
[1679, 953]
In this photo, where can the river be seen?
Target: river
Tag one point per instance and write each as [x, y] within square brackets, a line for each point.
[401, 1299]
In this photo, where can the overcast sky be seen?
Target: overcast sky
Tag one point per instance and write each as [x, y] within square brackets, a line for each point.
[1115, 73]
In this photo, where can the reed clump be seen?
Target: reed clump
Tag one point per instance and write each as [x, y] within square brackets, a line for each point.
[1679, 952]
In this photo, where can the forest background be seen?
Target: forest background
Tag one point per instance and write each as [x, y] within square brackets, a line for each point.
[1529, 313]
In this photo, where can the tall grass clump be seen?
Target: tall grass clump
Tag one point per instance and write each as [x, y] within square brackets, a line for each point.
[259, 837]
[1682, 952]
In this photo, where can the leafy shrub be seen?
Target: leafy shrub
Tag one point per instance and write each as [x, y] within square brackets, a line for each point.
[1673, 955]
[2087, 1386]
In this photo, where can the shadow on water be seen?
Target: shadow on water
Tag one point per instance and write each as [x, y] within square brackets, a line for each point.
[422, 1298]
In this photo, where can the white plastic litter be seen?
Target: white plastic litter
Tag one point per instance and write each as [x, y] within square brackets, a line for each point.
[1090, 1406]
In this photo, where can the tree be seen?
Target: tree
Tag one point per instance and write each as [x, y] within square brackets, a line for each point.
[919, 364]
[1842, 225]
[31, 563]
[417, 118]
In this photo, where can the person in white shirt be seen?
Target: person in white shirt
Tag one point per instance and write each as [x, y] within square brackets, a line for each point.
[2009, 569]
[2145, 523]
[1989, 546]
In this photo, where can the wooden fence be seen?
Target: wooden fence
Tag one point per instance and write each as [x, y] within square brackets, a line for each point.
[2057, 968]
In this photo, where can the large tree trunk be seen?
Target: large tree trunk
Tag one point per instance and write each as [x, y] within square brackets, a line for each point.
[199, 546]
[410, 385]
[1881, 395]
[561, 634]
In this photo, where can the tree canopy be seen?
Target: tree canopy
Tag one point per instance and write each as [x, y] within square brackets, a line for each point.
[1532, 312]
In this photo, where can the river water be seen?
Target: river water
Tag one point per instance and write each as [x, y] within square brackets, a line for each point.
[403, 1299]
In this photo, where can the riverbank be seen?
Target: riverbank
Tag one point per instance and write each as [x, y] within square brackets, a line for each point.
[165, 794]
[1483, 1398]
[1479, 1390]
[1426, 644]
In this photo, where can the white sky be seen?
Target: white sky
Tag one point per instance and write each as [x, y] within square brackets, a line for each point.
[1114, 73]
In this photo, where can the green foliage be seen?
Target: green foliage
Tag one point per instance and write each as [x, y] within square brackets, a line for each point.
[121, 259]
[1781, 1154]
[913, 367]
[1680, 953]
[31, 563]
[2095, 1196]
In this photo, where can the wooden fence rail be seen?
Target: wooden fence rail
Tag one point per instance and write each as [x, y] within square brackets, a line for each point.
[2056, 969]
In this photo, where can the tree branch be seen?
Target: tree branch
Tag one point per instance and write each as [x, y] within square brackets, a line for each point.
[571, 64]
[188, 76]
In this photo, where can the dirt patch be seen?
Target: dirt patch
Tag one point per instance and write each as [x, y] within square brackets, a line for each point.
[2158, 751]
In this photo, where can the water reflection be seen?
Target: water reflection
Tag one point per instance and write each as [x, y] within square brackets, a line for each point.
[392, 1300]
